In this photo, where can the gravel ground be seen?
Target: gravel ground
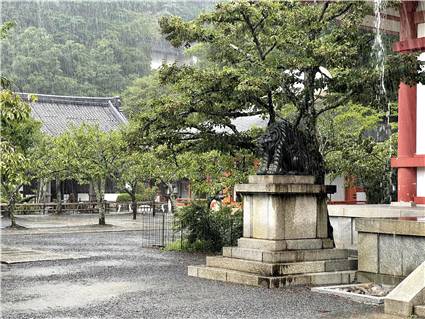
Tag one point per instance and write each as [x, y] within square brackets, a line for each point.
[122, 279]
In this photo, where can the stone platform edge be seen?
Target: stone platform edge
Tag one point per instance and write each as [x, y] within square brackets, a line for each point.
[388, 226]
[280, 188]
[309, 279]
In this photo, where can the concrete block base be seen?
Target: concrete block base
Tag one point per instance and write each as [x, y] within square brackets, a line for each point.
[288, 244]
[382, 279]
[409, 296]
[285, 239]
[285, 255]
[275, 269]
[244, 278]
[419, 311]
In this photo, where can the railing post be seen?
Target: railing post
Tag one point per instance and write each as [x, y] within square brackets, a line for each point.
[163, 231]
[181, 236]
[231, 231]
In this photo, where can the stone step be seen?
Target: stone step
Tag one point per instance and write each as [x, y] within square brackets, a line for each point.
[284, 256]
[279, 269]
[285, 244]
[240, 277]
[419, 311]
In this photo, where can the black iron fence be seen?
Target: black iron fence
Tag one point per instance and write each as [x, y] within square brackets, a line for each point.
[158, 229]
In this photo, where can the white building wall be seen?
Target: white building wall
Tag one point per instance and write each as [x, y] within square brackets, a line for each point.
[420, 119]
[339, 182]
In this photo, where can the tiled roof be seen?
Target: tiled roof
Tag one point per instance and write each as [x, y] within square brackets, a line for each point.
[59, 113]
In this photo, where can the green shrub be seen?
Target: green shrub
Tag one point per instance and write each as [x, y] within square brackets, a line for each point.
[124, 197]
[184, 245]
[230, 223]
[147, 194]
[208, 230]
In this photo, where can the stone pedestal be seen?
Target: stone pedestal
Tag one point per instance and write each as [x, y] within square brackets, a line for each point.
[285, 238]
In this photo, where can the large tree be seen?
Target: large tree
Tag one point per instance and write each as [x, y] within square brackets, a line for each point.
[92, 158]
[19, 135]
[355, 144]
[264, 58]
[135, 171]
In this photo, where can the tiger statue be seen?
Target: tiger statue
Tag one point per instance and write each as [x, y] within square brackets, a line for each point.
[287, 151]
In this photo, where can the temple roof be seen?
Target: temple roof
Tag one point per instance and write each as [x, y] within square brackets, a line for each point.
[59, 113]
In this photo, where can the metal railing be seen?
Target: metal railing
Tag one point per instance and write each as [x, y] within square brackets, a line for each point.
[45, 208]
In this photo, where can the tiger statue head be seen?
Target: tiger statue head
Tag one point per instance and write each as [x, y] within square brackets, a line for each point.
[287, 151]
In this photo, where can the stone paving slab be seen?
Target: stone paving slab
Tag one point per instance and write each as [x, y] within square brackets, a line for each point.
[10, 255]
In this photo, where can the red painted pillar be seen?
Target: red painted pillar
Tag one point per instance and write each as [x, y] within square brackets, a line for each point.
[407, 112]
[406, 141]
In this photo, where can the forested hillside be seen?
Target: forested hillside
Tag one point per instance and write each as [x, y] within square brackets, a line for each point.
[92, 48]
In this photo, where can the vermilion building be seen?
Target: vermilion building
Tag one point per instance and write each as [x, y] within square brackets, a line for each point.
[410, 161]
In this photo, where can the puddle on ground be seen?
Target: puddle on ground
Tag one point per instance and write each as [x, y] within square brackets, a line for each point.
[40, 271]
[70, 295]
[64, 269]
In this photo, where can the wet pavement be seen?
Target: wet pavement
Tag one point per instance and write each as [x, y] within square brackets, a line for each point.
[123, 279]
[84, 223]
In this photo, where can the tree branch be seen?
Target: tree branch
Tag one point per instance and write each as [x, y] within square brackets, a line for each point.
[325, 7]
[264, 17]
[340, 12]
[336, 104]
[247, 55]
[254, 36]
[270, 49]
[272, 113]
[233, 114]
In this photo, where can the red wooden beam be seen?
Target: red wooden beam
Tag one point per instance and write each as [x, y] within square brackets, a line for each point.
[410, 45]
[415, 161]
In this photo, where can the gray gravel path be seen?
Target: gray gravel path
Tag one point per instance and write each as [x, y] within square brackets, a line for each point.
[122, 279]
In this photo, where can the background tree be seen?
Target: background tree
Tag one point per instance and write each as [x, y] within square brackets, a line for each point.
[355, 144]
[92, 48]
[140, 91]
[135, 170]
[93, 156]
[19, 134]
[265, 57]
[213, 172]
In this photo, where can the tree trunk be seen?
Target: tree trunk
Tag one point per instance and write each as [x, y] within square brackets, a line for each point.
[172, 198]
[100, 187]
[134, 205]
[101, 206]
[11, 210]
[40, 191]
[58, 196]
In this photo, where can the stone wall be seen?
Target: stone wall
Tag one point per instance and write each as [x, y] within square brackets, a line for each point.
[343, 219]
[389, 249]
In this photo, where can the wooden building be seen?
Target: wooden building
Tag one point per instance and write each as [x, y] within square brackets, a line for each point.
[57, 114]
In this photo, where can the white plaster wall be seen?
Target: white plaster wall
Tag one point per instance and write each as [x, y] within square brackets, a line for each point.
[111, 197]
[340, 187]
[361, 196]
[83, 197]
[420, 120]
[420, 190]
